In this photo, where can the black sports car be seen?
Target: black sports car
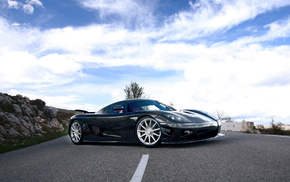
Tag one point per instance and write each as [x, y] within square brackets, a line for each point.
[145, 121]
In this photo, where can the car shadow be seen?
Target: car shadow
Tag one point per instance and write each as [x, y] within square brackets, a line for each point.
[229, 138]
[184, 145]
[107, 143]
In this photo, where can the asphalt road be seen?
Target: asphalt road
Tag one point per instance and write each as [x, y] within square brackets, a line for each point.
[234, 157]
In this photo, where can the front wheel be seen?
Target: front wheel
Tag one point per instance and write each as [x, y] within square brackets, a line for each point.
[148, 132]
[76, 133]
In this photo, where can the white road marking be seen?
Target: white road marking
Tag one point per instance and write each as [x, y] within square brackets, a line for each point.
[137, 177]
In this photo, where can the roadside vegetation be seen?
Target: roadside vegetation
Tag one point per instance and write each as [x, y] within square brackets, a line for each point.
[29, 141]
[275, 129]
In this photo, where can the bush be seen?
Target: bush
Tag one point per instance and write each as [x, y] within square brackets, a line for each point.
[248, 131]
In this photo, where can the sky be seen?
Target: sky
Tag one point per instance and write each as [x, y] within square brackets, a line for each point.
[225, 56]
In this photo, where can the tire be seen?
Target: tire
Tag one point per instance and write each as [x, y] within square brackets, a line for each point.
[148, 132]
[76, 132]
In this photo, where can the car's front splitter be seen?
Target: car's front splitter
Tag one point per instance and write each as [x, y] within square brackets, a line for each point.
[191, 141]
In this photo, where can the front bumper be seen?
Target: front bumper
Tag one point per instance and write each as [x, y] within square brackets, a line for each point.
[188, 132]
[191, 141]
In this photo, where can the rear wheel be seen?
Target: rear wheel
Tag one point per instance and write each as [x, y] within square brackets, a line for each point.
[148, 132]
[76, 133]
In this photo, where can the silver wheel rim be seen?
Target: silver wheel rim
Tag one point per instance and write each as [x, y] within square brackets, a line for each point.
[75, 132]
[148, 131]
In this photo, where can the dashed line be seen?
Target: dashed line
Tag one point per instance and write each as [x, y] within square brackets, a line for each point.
[137, 177]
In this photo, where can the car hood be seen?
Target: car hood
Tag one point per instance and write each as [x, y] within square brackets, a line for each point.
[195, 117]
[196, 112]
[185, 117]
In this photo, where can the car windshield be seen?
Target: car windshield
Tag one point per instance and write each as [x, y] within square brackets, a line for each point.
[148, 105]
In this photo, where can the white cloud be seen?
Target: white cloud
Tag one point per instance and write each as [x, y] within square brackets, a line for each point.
[16, 67]
[207, 17]
[60, 64]
[17, 38]
[34, 2]
[19, 67]
[13, 4]
[129, 11]
[15, 24]
[55, 101]
[84, 39]
[27, 6]
[242, 81]
[112, 6]
[278, 29]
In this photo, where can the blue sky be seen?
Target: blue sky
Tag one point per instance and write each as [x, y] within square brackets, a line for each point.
[213, 55]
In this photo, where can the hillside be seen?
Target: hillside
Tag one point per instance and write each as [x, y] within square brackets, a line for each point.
[22, 118]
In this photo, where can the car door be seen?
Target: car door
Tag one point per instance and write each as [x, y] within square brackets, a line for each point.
[115, 122]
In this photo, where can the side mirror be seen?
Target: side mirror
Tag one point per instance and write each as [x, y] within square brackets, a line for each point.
[118, 109]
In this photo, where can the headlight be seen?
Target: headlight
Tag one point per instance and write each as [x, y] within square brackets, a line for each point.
[177, 118]
[173, 117]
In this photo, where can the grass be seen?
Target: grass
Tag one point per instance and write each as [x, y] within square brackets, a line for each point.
[275, 131]
[25, 142]
[248, 131]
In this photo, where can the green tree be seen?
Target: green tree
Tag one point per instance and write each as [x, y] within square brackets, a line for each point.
[134, 91]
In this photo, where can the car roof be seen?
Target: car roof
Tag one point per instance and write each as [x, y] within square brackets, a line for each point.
[130, 101]
[125, 102]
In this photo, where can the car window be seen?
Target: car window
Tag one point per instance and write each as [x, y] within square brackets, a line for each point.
[150, 108]
[168, 107]
[146, 106]
[117, 108]
[103, 110]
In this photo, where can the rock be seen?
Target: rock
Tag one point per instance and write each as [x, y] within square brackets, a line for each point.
[2, 98]
[26, 100]
[57, 124]
[31, 127]
[50, 112]
[12, 133]
[2, 140]
[39, 103]
[26, 118]
[3, 119]
[25, 128]
[2, 131]
[256, 132]
[34, 109]
[14, 121]
[24, 123]
[35, 120]
[21, 117]
[38, 128]
[27, 111]
[24, 131]
[18, 110]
